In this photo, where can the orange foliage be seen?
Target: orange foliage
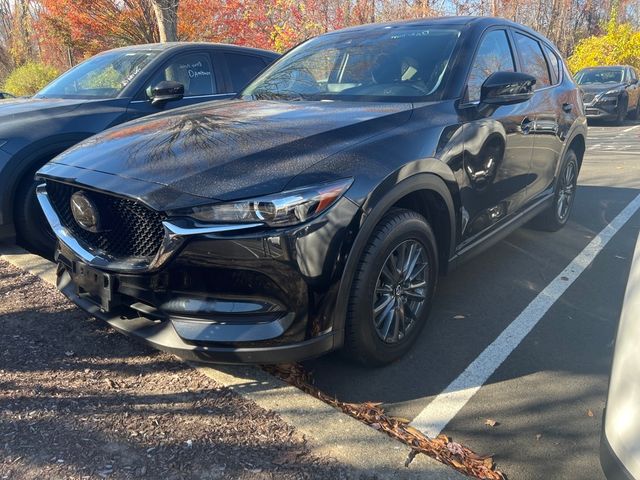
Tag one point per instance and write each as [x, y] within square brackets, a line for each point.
[86, 27]
[277, 24]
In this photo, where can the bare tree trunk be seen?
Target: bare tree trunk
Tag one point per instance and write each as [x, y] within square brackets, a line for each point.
[167, 16]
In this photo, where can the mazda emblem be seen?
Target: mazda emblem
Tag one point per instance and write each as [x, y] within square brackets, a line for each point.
[85, 212]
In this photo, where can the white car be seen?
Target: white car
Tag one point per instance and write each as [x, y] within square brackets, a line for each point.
[620, 441]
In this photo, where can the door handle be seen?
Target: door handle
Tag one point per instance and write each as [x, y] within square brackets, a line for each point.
[527, 125]
[567, 107]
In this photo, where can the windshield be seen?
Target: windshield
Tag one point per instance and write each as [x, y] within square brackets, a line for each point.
[383, 65]
[610, 75]
[102, 76]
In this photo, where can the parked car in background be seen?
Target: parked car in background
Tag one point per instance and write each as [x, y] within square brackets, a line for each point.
[610, 93]
[5, 95]
[111, 88]
[620, 440]
[318, 209]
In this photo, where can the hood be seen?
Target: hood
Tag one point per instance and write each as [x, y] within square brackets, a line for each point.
[232, 150]
[42, 106]
[596, 88]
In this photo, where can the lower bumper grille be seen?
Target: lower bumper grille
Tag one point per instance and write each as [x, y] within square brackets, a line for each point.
[130, 228]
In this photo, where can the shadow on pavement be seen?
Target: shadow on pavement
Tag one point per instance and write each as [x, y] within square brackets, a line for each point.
[478, 300]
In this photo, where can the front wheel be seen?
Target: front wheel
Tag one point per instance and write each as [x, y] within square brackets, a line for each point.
[622, 111]
[32, 228]
[557, 215]
[393, 289]
[635, 113]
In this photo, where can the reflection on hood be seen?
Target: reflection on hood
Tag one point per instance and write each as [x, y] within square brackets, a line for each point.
[600, 87]
[233, 149]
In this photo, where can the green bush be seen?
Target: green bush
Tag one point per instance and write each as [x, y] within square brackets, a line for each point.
[29, 78]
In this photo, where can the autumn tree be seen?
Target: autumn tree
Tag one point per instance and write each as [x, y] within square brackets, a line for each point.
[75, 29]
[167, 18]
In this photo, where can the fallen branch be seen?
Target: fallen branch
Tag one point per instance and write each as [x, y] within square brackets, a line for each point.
[440, 448]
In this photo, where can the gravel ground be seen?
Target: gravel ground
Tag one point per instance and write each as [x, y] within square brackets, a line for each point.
[79, 401]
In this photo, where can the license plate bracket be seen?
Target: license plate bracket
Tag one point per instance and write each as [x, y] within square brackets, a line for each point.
[93, 285]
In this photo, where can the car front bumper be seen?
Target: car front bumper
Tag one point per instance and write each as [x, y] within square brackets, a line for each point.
[601, 110]
[252, 297]
[163, 336]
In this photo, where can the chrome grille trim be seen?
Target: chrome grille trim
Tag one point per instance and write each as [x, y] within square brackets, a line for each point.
[174, 237]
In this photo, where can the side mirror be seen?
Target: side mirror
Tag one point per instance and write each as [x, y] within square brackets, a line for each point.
[506, 88]
[166, 91]
[633, 81]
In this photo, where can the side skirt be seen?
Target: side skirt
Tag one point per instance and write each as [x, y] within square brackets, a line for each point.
[500, 232]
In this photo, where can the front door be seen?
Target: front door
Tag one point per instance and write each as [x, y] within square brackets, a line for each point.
[497, 145]
[195, 70]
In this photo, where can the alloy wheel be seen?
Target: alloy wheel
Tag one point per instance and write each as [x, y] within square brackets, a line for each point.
[401, 291]
[567, 190]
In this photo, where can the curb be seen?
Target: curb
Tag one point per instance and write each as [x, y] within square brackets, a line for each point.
[365, 452]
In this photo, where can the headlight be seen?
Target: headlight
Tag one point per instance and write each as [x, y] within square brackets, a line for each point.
[278, 210]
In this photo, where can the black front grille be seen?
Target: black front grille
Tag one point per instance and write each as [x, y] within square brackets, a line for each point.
[588, 97]
[130, 228]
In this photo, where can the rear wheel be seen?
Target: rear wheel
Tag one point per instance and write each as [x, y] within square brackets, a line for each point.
[557, 215]
[32, 228]
[393, 289]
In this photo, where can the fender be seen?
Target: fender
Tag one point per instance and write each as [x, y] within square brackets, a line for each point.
[374, 208]
[33, 156]
[578, 128]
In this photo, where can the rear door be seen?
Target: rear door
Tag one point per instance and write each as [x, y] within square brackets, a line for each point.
[497, 150]
[195, 69]
[546, 111]
[241, 68]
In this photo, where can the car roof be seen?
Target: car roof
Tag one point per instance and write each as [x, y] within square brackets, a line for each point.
[433, 21]
[169, 46]
[480, 22]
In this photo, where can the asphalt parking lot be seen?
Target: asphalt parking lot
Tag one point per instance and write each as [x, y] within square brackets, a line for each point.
[547, 396]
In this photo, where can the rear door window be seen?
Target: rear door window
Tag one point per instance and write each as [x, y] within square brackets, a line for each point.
[243, 68]
[494, 55]
[532, 60]
[554, 63]
[193, 70]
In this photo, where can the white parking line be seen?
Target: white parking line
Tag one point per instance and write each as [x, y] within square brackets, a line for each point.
[626, 130]
[435, 417]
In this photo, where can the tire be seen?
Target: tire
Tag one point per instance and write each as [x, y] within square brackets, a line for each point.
[622, 111]
[635, 113]
[557, 215]
[400, 301]
[32, 228]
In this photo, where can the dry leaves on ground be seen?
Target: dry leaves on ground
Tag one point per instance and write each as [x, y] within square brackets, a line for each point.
[440, 448]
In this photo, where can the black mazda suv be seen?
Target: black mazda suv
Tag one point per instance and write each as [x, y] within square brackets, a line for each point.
[317, 209]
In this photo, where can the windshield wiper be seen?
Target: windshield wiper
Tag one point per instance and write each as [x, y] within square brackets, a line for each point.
[278, 96]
